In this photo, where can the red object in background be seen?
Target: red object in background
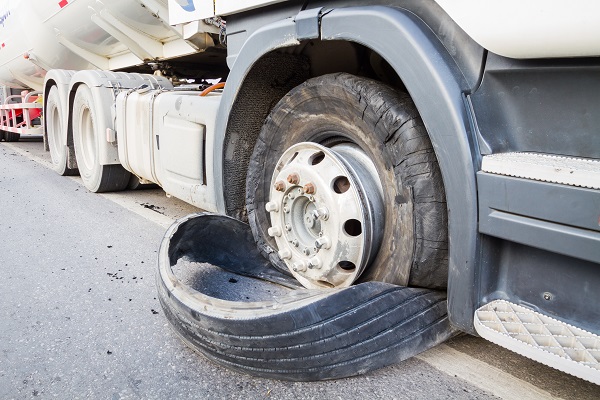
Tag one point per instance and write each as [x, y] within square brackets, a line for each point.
[63, 3]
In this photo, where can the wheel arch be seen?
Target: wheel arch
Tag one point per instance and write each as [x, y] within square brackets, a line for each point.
[436, 86]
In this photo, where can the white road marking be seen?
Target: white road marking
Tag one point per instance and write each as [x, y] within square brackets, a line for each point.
[478, 373]
[121, 199]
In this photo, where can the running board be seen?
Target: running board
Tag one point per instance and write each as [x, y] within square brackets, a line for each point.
[541, 338]
[583, 172]
[230, 304]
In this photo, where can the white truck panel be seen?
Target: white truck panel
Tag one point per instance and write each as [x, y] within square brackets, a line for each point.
[530, 28]
[183, 11]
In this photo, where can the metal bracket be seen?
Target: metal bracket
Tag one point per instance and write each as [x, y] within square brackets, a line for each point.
[308, 24]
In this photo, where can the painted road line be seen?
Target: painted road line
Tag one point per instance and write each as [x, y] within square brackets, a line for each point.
[122, 199]
[478, 373]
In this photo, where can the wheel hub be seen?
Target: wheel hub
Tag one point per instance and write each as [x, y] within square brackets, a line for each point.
[326, 212]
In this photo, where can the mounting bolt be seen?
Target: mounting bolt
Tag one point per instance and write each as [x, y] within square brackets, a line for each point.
[306, 251]
[291, 195]
[310, 188]
[288, 227]
[295, 242]
[547, 296]
[279, 186]
[286, 209]
[323, 243]
[274, 231]
[293, 178]
[271, 206]
[285, 254]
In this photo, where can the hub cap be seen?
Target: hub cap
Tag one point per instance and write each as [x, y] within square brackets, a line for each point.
[326, 212]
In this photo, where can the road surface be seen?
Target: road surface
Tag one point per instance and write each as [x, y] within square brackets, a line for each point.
[79, 315]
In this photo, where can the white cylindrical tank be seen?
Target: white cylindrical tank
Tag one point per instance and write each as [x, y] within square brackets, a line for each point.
[39, 35]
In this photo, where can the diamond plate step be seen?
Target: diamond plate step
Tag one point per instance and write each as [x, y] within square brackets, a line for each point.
[541, 338]
[571, 171]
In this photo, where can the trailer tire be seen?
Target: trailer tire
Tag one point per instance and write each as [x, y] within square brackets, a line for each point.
[386, 126]
[55, 134]
[11, 136]
[86, 129]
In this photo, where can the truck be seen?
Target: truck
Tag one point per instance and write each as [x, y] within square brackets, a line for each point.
[377, 177]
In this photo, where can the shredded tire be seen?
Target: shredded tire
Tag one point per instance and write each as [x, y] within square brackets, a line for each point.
[385, 123]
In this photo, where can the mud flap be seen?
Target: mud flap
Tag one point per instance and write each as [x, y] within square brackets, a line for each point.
[228, 303]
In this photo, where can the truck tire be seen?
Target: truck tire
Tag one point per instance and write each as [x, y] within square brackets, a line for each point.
[384, 125]
[11, 137]
[86, 130]
[55, 134]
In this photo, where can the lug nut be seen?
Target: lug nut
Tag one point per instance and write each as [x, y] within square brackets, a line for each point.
[323, 243]
[271, 206]
[293, 178]
[322, 213]
[285, 254]
[274, 231]
[306, 251]
[279, 186]
[309, 188]
[314, 262]
[299, 266]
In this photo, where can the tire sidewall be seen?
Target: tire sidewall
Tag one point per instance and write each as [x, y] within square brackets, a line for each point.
[56, 143]
[83, 100]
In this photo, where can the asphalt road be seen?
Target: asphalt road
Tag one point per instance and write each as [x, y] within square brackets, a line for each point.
[79, 315]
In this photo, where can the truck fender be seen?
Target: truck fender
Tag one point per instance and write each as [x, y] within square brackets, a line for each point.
[436, 86]
[105, 86]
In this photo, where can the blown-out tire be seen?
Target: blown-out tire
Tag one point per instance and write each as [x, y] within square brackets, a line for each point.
[385, 124]
[56, 134]
[302, 335]
[87, 128]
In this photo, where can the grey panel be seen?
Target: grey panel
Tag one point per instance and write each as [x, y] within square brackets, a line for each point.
[563, 287]
[535, 213]
[568, 205]
[545, 106]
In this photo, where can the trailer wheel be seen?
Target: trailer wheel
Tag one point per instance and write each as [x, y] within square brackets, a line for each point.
[56, 135]
[396, 216]
[86, 129]
[11, 137]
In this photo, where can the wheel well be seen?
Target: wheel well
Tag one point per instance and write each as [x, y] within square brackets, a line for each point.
[271, 78]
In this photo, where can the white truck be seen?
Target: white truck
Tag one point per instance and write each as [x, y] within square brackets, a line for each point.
[398, 170]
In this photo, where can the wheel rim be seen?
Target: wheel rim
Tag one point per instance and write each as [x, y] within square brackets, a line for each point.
[88, 144]
[327, 214]
[55, 127]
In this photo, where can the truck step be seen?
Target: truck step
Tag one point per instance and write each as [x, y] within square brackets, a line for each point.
[231, 305]
[583, 172]
[541, 338]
